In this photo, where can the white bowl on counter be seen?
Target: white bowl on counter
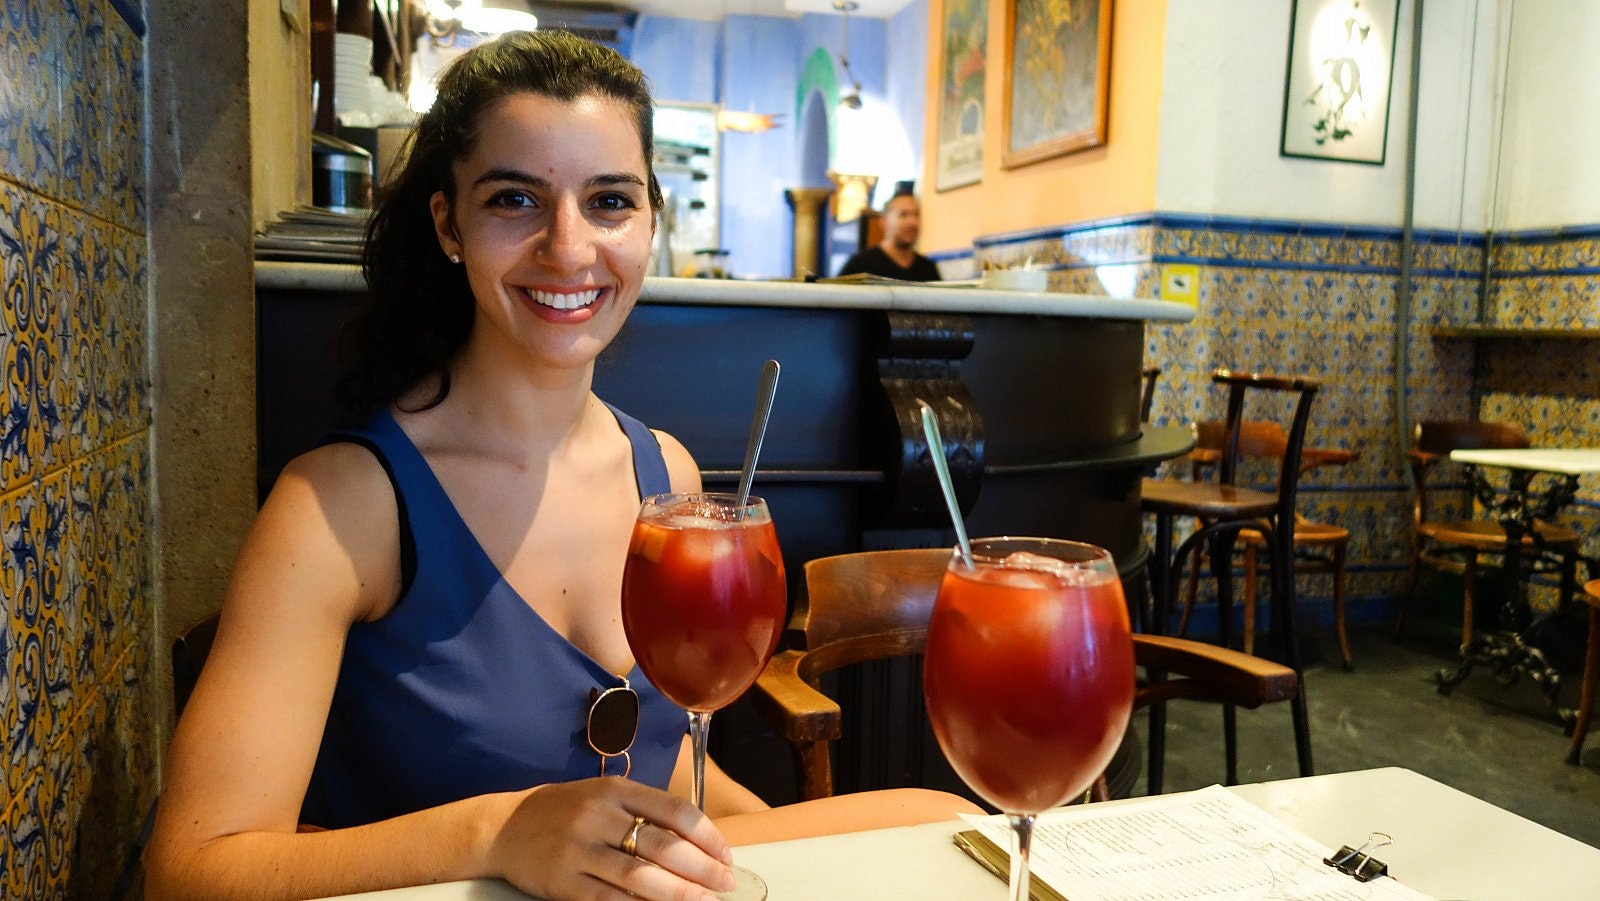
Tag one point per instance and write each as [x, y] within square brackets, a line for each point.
[1034, 280]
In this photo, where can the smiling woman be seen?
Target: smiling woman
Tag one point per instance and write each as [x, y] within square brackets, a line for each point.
[428, 609]
[568, 243]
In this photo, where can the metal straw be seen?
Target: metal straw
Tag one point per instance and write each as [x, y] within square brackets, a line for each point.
[758, 427]
[930, 428]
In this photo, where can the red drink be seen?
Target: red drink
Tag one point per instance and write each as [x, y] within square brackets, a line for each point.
[1029, 679]
[703, 601]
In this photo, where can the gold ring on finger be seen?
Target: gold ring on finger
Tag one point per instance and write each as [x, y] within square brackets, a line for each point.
[630, 843]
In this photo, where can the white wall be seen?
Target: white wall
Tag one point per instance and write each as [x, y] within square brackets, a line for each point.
[1222, 110]
[1550, 148]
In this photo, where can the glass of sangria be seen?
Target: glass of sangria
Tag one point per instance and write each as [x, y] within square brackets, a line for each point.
[703, 604]
[1028, 675]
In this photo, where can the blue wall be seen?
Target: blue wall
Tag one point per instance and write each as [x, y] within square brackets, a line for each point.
[763, 56]
[752, 63]
[682, 57]
[907, 78]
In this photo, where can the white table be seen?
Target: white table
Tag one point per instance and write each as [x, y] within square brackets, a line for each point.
[1568, 461]
[1508, 652]
[1446, 843]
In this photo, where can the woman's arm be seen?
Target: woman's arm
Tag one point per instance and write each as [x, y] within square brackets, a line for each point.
[724, 796]
[322, 555]
[845, 813]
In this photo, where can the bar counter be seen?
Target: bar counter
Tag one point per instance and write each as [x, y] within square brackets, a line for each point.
[1037, 397]
[906, 297]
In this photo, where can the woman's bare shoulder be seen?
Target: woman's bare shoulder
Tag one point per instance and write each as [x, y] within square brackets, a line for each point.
[681, 466]
[346, 464]
[334, 509]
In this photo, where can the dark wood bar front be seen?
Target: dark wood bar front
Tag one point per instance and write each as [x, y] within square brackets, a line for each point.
[1039, 412]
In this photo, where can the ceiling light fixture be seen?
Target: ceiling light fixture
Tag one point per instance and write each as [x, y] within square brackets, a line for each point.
[852, 100]
[447, 18]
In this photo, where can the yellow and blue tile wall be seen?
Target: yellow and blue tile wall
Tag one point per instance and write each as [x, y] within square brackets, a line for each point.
[1548, 279]
[1319, 299]
[75, 655]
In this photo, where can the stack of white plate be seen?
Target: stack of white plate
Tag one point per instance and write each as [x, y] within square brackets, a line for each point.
[352, 73]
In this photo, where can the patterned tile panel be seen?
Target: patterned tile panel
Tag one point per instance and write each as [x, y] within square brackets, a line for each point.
[25, 839]
[83, 114]
[32, 427]
[1320, 301]
[122, 138]
[86, 568]
[99, 788]
[29, 92]
[1544, 280]
[22, 667]
[69, 290]
[126, 586]
[16, 380]
[75, 702]
[56, 626]
[133, 314]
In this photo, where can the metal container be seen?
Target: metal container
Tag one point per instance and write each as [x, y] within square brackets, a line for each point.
[341, 175]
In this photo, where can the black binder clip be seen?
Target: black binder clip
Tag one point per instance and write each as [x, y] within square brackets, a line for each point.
[1359, 862]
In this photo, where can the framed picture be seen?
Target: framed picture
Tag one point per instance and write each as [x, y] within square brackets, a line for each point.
[963, 67]
[1057, 71]
[1340, 74]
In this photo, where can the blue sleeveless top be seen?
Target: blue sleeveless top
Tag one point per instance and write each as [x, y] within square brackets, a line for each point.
[462, 689]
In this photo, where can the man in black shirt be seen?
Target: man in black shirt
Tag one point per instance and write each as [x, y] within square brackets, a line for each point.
[896, 256]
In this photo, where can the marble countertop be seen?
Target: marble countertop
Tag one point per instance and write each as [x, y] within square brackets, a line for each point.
[914, 298]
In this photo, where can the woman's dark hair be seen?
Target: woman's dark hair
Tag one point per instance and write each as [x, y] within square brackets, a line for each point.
[419, 307]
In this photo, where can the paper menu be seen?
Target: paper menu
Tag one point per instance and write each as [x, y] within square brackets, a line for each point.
[1203, 844]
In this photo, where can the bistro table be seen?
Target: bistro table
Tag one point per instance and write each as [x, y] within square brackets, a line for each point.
[1445, 843]
[1507, 649]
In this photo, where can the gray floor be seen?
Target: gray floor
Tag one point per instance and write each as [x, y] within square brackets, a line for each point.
[1498, 743]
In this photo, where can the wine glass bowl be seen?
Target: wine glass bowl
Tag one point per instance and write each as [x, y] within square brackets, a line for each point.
[1028, 674]
[703, 605]
[703, 596]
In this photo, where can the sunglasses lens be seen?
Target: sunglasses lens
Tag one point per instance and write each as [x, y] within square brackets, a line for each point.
[614, 720]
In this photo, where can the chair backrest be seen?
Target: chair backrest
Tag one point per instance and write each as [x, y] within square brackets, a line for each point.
[1260, 439]
[873, 605]
[1147, 392]
[1241, 383]
[1435, 439]
[1257, 438]
[866, 606]
[1443, 436]
[189, 652]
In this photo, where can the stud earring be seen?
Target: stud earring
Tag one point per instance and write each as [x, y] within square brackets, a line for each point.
[455, 258]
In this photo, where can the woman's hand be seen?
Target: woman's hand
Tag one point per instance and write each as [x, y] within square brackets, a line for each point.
[566, 841]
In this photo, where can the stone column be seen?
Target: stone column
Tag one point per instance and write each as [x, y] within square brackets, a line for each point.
[807, 205]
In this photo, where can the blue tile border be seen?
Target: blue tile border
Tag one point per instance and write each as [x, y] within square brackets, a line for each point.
[1545, 273]
[1043, 233]
[1161, 223]
[131, 12]
[1539, 235]
[1288, 227]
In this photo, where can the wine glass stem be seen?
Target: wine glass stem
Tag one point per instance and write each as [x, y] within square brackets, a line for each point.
[699, 726]
[1021, 842]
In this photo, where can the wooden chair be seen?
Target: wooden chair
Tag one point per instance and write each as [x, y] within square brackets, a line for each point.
[1147, 391]
[1223, 510]
[1458, 545]
[874, 605]
[1318, 547]
[1591, 674]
